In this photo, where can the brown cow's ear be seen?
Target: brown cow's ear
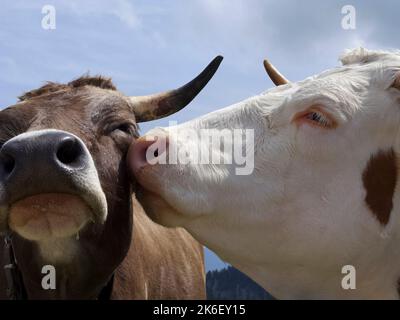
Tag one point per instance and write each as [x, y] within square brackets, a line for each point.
[147, 108]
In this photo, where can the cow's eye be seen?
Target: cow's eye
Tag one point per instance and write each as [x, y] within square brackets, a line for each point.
[125, 128]
[319, 118]
[316, 117]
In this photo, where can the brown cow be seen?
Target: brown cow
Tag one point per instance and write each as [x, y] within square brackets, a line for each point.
[66, 197]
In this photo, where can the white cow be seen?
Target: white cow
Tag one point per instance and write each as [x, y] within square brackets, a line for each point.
[322, 198]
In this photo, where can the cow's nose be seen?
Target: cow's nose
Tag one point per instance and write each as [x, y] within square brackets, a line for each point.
[146, 151]
[69, 151]
[48, 153]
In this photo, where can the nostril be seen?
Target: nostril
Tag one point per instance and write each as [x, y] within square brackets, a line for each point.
[8, 163]
[147, 151]
[69, 150]
[141, 151]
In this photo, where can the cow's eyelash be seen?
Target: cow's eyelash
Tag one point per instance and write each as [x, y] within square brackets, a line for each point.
[316, 117]
[125, 127]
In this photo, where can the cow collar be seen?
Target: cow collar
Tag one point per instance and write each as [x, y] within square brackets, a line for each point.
[15, 284]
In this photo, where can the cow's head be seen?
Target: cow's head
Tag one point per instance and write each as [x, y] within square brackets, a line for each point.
[64, 186]
[323, 193]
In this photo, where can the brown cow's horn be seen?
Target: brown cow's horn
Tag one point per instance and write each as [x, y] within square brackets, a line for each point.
[276, 77]
[161, 105]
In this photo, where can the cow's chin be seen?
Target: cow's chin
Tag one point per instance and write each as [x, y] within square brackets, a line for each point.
[49, 216]
[159, 210]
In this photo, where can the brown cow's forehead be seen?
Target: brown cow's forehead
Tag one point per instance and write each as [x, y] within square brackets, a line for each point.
[106, 103]
[77, 111]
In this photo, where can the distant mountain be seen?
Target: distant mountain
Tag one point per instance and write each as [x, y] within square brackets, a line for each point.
[231, 284]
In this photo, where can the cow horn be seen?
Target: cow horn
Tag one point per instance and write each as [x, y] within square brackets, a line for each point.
[276, 77]
[161, 105]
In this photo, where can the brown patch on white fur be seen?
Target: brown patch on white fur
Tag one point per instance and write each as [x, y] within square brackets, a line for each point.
[379, 179]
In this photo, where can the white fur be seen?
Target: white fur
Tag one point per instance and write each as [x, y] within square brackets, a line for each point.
[59, 251]
[301, 216]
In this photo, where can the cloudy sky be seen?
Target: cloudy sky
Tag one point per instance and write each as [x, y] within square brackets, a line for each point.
[149, 46]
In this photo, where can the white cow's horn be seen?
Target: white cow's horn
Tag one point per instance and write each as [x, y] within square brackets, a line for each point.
[160, 105]
[276, 77]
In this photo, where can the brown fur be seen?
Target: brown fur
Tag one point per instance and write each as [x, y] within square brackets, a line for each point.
[167, 270]
[50, 87]
[148, 261]
[379, 178]
[398, 287]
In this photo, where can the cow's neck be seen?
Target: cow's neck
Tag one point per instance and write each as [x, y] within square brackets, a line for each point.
[76, 276]
[303, 282]
[376, 278]
[314, 284]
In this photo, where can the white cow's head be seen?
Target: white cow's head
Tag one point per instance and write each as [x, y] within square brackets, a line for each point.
[323, 192]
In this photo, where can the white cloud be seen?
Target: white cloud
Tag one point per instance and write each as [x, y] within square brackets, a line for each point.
[126, 12]
[123, 10]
